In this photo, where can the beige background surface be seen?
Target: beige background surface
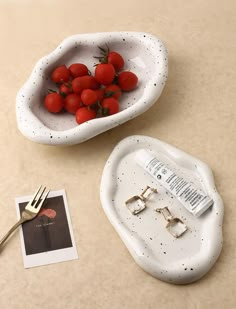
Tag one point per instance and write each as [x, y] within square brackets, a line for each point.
[196, 113]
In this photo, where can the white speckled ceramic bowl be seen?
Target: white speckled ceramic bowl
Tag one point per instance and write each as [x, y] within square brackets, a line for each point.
[144, 54]
[174, 260]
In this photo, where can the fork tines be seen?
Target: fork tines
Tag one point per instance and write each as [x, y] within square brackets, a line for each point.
[38, 199]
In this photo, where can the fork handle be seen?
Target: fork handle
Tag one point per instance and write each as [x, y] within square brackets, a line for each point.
[15, 226]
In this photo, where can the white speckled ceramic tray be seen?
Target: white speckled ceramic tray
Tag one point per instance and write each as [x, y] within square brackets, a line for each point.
[144, 54]
[174, 260]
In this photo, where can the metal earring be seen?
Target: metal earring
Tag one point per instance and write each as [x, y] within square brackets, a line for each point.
[175, 226]
[137, 203]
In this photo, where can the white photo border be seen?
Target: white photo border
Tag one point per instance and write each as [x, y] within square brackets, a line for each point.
[49, 257]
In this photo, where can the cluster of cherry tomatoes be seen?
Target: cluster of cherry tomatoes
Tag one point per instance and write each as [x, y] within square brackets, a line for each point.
[89, 96]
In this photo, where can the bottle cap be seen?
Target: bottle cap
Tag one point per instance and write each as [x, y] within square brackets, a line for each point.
[142, 157]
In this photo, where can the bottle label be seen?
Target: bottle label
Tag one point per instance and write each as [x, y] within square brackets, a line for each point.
[175, 184]
[192, 198]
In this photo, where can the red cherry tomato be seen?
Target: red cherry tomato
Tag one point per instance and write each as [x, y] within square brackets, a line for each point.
[61, 74]
[110, 106]
[112, 91]
[89, 97]
[84, 114]
[84, 82]
[116, 60]
[127, 80]
[65, 89]
[100, 93]
[78, 70]
[105, 73]
[54, 102]
[72, 103]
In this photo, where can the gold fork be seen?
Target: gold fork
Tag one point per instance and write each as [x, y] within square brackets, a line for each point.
[30, 212]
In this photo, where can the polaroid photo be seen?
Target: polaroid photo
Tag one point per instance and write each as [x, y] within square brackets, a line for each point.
[48, 238]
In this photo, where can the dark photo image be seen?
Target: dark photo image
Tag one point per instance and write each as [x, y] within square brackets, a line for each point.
[49, 230]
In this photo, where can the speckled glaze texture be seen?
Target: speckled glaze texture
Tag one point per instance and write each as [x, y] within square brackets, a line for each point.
[174, 260]
[144, 54]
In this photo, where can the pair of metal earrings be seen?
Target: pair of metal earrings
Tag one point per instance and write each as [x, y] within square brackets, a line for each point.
[137, 203]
